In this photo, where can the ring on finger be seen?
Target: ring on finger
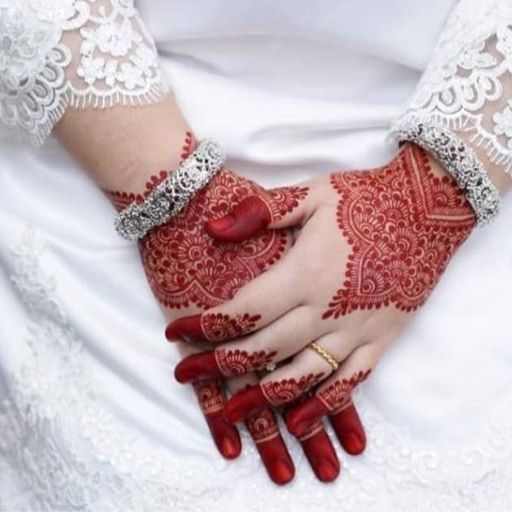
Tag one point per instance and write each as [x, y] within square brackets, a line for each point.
[325, 355]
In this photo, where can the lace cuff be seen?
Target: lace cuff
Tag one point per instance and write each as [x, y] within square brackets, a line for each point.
[56, 54]
[467, 86]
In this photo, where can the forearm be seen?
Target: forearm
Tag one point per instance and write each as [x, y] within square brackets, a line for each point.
[123, 146]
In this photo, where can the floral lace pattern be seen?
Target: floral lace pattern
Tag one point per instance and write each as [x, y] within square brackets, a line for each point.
[56, 54]
[467, 85]
[66, 451]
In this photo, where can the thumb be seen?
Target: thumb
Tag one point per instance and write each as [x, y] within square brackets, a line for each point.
[276, 208]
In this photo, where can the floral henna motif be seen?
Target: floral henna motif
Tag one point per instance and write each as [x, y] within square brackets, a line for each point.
[262, 426]
[121, 200]
[338, 396]
[209, 394]
[286, 390]
[185, 266]
[239, 362]
[218, 327]
[283, 200]
[403, 224]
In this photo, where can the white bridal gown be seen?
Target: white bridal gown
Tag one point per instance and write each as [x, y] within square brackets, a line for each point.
[91, 417]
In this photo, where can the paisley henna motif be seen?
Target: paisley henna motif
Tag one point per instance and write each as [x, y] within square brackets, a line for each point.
[262, 426]
[286, 390]
[338, 396]
[239, 362]
[220, 327]
[185, 266]
[209, 394]
[283, 200]
[403, 224]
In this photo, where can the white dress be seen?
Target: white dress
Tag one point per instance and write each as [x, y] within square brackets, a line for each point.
[90, 416]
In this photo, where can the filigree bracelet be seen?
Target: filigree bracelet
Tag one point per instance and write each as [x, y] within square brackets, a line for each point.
[459, 160]
[172, 194]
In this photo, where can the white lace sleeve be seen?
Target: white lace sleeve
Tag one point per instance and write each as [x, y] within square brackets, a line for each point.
[467, 86]
[56, 54]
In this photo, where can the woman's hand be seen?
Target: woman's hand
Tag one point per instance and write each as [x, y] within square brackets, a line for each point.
[372, 246]
[189, 271]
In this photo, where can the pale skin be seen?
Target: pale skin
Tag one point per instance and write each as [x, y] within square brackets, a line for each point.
[121, 149]
[119, 155]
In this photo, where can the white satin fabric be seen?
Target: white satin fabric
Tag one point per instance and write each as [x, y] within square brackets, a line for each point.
[92, 418]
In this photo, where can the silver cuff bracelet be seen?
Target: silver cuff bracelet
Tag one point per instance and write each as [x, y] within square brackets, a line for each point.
[171, 195]
[459, 160]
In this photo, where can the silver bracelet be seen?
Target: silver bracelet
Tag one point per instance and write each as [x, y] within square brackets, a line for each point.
[171, 195]
[459, 160]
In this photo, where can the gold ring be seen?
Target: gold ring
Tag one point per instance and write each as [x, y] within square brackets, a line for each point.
[324, 355]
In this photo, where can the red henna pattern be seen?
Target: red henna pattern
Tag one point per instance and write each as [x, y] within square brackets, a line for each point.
[121, 200]
[338, 396]
[283, 200]
[403, 224]
[311, 431]
[185, 266]
[285, 390]
[220, 327]
[210, 395]
[239, 362]
[262, 426]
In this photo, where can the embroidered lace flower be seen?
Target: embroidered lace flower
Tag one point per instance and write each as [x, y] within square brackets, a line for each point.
[467, 85]
[56, 54]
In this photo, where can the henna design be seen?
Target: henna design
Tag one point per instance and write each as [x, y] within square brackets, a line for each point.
[238, 362]
[210, 395]
[262, 426]
[338, 396]
[121, 200]
[219, 327]
[185, 266]
[285, 390]
[403, 224]
[283, 200]
[312, 431]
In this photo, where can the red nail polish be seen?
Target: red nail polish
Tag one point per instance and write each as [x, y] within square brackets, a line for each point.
[353, 444]
[226, 436]
[281, 471]
[185, 329]
[230, 448]
[197, 366]
[325, 469]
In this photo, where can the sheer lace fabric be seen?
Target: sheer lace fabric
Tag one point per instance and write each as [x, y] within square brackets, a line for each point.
[56, 54]
[467, 85]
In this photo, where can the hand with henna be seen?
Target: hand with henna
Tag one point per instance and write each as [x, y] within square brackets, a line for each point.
[371, 248]
[189, 272]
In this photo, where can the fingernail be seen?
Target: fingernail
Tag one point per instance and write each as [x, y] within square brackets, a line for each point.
[353, 444]
[239, 406]
[229, 448]
[219, 225]
[281, 471]
[197, 366]
[325, 469]
[185, 329]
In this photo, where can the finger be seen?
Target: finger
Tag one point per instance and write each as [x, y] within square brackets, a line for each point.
[334, 399]
[275, 208]
[211, 400]
[264, 430]
[319, 450]
[287, 383]
[255, 351]
[320, 453]
[248, 311]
